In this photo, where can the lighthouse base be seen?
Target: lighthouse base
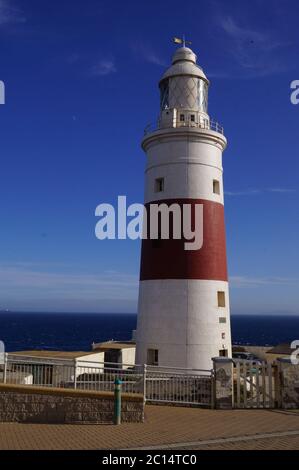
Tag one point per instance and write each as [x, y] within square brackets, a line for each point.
[183, 323]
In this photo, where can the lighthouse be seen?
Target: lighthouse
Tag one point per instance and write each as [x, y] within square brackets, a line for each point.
[183, 308]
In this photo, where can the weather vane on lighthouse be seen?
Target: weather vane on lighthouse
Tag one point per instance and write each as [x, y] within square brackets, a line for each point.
[181, 41]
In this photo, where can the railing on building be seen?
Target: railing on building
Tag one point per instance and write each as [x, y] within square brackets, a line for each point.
[205, 125]
[157, 384]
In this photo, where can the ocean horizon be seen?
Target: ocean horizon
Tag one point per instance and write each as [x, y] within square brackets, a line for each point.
[77, 331]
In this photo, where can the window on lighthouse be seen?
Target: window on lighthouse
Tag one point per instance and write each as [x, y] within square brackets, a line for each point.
[164, 95]
[223, 353]
[152, 357]
[221, 298]
[159, 185]
[216, 187]
[202, 96]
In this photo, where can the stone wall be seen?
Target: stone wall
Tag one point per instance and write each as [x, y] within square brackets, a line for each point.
[223, 385]
[54, 405]
[284, 380]
[289, 383]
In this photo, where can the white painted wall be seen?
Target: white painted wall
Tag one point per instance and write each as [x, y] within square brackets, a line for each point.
[180, 318]
[90, 363]
[128, 356]
[188, 166]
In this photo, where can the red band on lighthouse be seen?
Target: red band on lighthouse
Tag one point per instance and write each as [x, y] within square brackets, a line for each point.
[168, 259]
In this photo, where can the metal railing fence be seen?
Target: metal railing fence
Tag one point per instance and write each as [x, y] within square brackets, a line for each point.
[157, 384]
[179, 386]
[205, 124]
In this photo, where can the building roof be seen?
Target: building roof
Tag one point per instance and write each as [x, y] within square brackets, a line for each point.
[113, 345]
[53, 354]
[283, 348]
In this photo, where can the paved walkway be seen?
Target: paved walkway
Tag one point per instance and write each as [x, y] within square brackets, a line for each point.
[167, 428]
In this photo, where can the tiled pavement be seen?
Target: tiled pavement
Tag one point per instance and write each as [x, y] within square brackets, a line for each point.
[278, 443]
[167, 427]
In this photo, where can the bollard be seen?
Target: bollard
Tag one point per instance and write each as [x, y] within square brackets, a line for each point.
[117, 401]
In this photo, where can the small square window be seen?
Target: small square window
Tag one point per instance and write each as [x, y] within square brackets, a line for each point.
[223, 353]
[221, 298]
[192, 117]
[159, 185]
[153, 357]
[222, 320]
[182, 117]
[216, 187]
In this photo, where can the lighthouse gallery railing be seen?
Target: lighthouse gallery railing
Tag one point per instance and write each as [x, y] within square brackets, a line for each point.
[205, 125]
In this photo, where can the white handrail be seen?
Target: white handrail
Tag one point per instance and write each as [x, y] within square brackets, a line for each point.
[205, 125]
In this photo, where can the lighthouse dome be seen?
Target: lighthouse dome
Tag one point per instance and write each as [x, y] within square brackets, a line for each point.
[184, 63]
[184, 53]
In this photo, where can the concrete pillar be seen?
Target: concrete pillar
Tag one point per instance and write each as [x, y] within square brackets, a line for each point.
[289, 383]
[223, 383]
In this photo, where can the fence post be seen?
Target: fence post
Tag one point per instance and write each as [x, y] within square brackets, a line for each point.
[75, 374]
[117, 401]
[212, 389]
[144, 383]
[5, 368]
[223, 382]
[277, 384]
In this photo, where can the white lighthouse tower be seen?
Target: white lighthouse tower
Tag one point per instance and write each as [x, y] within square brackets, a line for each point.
[183, 311]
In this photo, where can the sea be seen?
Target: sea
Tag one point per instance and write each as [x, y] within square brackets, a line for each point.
[77, 331]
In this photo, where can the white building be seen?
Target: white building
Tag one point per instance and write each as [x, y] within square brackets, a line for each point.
[63, 368]
[56, 368]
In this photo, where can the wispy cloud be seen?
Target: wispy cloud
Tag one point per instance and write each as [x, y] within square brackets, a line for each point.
[246, 192]
[281, 190]
[255, 192]
[93, 67]
[22, 280]
[255, 53]
[244, 281]
[147, 54]
[10, 13]
[102, 68]
[240, 33]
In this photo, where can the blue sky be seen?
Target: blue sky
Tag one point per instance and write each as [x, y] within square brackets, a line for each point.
[81, 85]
